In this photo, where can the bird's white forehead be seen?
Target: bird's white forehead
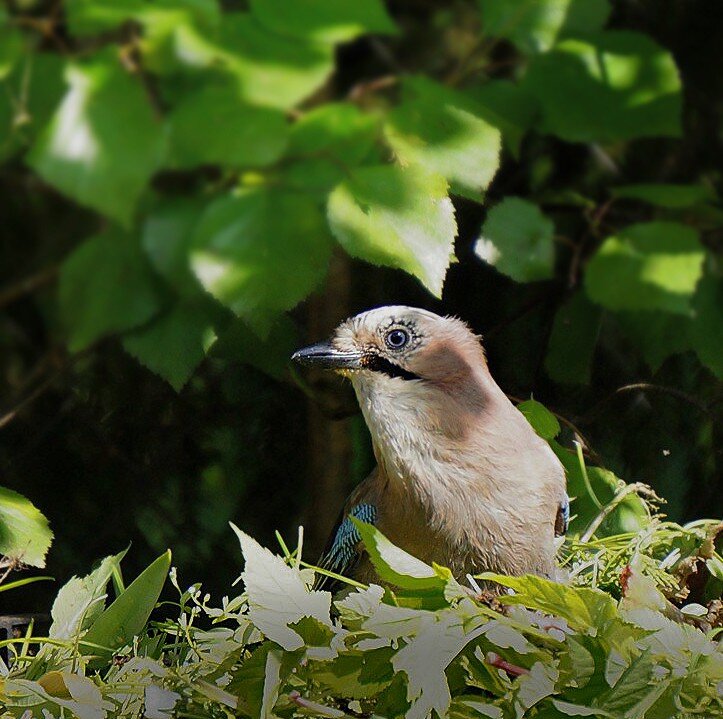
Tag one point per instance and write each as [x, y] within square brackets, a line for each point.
[390, 314]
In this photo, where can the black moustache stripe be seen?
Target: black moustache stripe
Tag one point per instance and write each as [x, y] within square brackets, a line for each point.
[375, 363]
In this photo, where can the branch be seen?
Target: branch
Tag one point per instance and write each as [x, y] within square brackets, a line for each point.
[28, 285]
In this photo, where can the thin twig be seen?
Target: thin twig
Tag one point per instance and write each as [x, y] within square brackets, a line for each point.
[28, 285]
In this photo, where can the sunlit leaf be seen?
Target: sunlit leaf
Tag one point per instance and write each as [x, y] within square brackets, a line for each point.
[277, 595]
[535, 25]
[215, 126]
[435, 127]
[326, 20]
[615, 85]
[24, 532]
[104, 141]
[128, 614]
[260, 252]
[396, 217]
[542, 420]
[648, 266]
[517, 240]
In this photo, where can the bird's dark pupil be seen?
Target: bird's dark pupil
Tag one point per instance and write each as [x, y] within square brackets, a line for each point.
[397, 338]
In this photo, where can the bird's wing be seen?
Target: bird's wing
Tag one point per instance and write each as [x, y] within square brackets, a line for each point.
[562, 520]
[342, 551]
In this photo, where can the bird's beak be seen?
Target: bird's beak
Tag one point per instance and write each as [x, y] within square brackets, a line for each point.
[325, 356]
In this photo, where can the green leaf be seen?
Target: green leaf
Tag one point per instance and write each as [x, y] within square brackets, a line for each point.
[277, 595]
[166, 237]
[393, 564]
[127, 616]
[326, 143]
[535, 25]
[215, 126]
[434, 127]
[517, 239]
[272, 70]
[324, 20]
[91, 17]
[657, 334]
[103, 143]
[647, 266]
[396, 217]
[238, 342]
[260, 252]
[174, 343]
[706, 330]
[424, 660]
[617, 85]
[106, 286]
[24, 532]
[81, 600]
[506, 106]
[630, 515]
[572, 341]
[672, 197]
[542, 420]
[29, 97]
[583, 608]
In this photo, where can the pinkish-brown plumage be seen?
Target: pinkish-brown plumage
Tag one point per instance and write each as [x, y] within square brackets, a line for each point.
[462, 479]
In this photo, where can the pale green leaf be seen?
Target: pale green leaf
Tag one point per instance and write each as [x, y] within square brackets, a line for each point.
[542, 420]
[435, 127]
[648, 266]
[24, 532]
[215, 126]
[616, 85]
[517, 239]
[324, 20]
[396, 217]
[277, 595]
[583, 608]
[572, 341]
[104, 141]
[535, 25]
[126, 617]
[272, 70]
[81, 600]
[106, 286]
[175, 342]
[672, 197]
[424, 660]
[393, 564]
[260, 252]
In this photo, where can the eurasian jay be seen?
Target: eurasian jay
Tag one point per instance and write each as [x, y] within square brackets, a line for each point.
[461, 479]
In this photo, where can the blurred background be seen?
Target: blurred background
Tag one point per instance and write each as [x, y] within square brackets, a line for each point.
[192, 189]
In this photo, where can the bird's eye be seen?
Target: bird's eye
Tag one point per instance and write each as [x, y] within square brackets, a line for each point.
[396, 339]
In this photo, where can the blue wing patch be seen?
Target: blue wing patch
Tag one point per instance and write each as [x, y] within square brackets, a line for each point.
[562, 521]
[342, 552]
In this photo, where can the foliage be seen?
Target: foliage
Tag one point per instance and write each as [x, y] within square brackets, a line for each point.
[187, 184]
[607, 640]
[608, 643]
[154, 89]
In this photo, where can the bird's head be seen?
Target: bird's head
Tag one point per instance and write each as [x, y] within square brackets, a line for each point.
[397, 355]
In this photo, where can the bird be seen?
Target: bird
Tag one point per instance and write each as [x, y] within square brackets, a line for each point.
[462, 479]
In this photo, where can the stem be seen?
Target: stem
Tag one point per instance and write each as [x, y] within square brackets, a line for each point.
[585, 477]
